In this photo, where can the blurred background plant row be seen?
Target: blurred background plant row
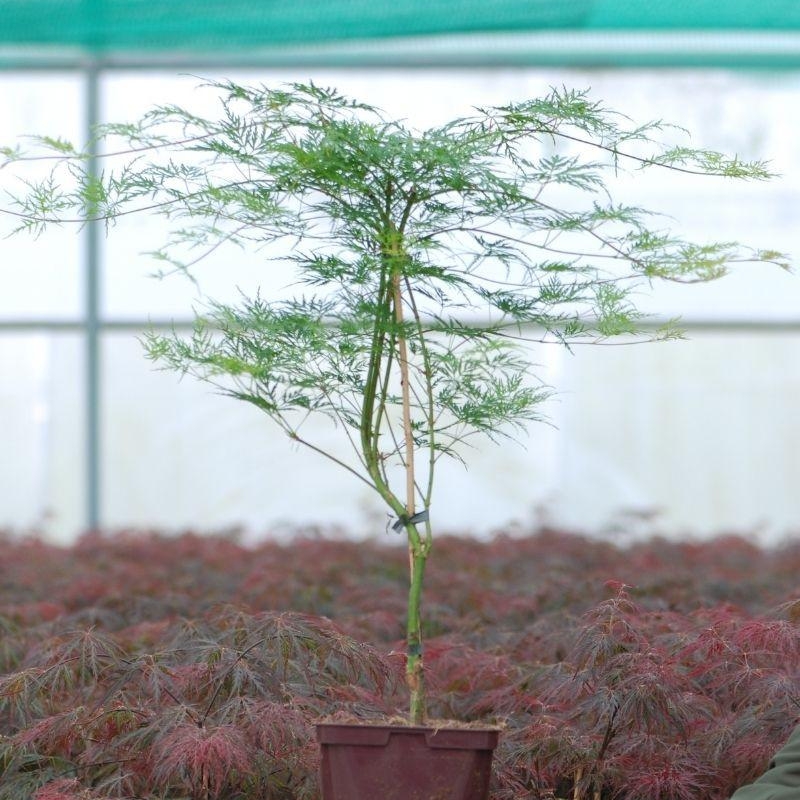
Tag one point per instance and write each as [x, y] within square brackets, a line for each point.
[147, 666]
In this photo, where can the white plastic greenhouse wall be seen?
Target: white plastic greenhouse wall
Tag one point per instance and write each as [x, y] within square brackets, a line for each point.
[694, 437]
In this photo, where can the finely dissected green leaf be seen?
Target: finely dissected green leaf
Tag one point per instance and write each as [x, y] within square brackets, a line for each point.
[58, 144]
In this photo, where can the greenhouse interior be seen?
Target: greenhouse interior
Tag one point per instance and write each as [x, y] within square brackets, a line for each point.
[267, 268]
[685, 438]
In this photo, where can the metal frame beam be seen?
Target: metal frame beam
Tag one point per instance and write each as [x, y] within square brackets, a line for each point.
[732, 49]
[92, 234]
[697, 324]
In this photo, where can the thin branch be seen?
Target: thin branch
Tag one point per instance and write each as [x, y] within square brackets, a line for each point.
[384, 393]
[221, 681]
[598, 341]
[647, 162]
[295, 437]
[125, 213]
[345, 426]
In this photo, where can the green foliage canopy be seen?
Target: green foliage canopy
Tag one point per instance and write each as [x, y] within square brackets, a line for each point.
[505, 211]
[426, 260]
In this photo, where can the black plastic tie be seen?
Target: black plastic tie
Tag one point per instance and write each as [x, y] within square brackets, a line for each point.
[403, 520]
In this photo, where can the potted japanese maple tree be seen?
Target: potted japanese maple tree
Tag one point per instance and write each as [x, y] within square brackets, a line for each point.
[428, 259]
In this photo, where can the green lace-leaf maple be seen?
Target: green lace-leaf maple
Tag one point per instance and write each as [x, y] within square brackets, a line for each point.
[427, 259]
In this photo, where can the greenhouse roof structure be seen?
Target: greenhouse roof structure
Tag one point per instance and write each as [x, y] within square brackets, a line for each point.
[407, 32]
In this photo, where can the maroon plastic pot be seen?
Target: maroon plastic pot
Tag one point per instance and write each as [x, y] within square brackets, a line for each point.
[394, 762]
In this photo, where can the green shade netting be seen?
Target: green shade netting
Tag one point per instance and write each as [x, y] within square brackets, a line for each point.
[137, 25]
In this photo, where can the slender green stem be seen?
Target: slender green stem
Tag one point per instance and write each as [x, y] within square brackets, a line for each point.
[384, 394]
[296, 438]
[375, 390]
[374, 374]
[415, 676]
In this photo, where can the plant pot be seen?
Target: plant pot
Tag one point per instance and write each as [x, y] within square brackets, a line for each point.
[396, 762]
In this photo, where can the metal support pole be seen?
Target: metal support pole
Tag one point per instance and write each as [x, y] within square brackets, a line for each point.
[93, 232]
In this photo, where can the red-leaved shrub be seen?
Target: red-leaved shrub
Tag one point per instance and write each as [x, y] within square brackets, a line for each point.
[157, 668]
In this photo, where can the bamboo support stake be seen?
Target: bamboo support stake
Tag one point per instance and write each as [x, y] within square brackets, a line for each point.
[416, 551]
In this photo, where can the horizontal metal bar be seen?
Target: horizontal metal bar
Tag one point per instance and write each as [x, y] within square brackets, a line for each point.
[137, 325]
[582, 49]
[79, 326]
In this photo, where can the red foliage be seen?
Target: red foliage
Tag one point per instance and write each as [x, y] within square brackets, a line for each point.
[62, 789]
[141, 666]
[67, 789]
[203, 761]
